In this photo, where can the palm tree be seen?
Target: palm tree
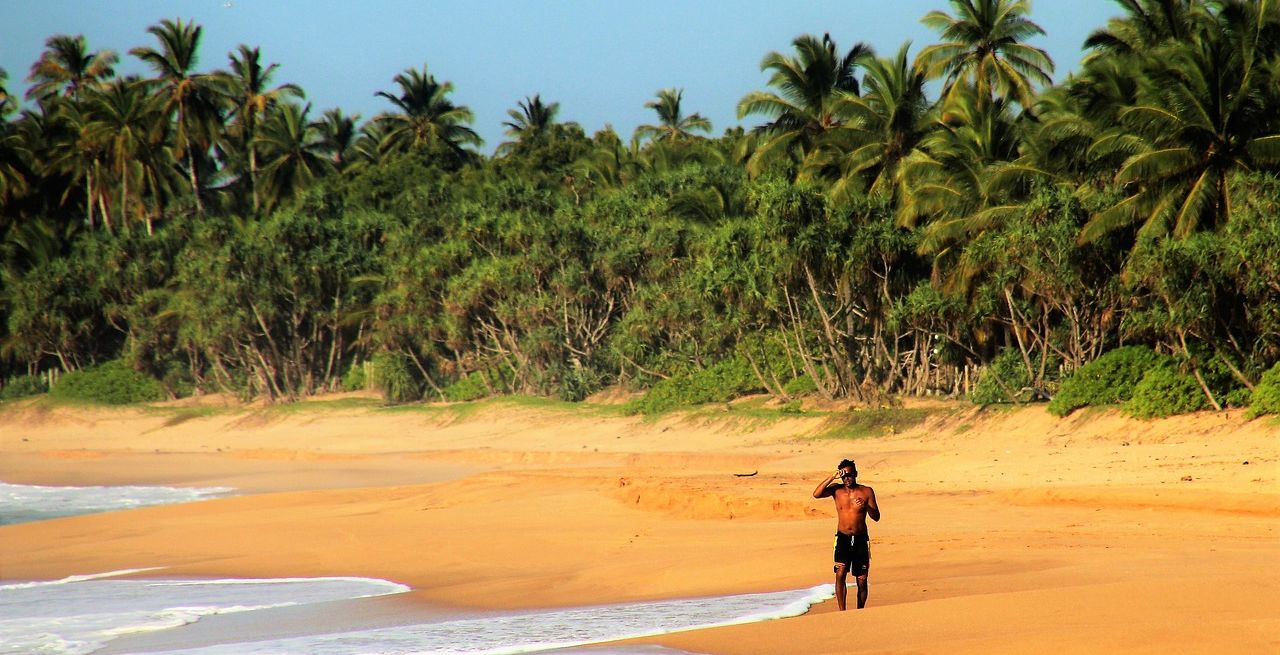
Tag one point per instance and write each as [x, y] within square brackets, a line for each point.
[248, 80]
[189, 96]
[1205, 109]
[886, 123]
[71, 148]
[13, 151]
[672, 125]
[6, 101]
[338, 135]
[810, 87]
[293, 151]
[367, 148]
[122, 118]
[956, 176]
[984, 46]
[1150, 23]
[530, 120]
[426, 116]
[1072, 135]
[67, 68]
[610, 163]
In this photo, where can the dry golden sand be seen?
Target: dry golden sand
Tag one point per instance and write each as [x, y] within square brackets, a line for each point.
[1004, 532]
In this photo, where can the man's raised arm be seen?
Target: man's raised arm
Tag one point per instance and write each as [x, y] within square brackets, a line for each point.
[823, 490]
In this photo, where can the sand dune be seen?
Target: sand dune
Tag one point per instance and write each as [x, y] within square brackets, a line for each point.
[1009, 531]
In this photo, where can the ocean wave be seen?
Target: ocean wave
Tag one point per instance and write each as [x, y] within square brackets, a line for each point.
[21, 503]
[80, 614]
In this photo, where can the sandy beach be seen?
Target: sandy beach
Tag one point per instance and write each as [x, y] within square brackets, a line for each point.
[1003, 531]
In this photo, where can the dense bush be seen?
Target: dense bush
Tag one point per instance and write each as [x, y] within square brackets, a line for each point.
[354, 379]
[579, 382]
[1107, 380]
[468, 387]
[799, 386]
[111, 383]
[391, 375]
[1266, 395]
[177, 380]
[1005, 375]
[22, 386]
[1165, 391]
[721, 382]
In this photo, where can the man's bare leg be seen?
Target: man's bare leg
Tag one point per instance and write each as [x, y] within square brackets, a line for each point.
[842, 591]
[862, 591]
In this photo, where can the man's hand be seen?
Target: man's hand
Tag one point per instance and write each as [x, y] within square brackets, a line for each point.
[824, 488]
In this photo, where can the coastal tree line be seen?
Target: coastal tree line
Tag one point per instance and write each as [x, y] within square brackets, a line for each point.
[943, 221]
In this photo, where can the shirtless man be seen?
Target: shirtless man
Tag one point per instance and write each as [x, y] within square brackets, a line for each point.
[854, 503]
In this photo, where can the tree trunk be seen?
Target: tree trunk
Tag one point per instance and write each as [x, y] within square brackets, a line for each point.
[1236, 372]
[1195, 370]
[106, 215]
[253, 172]
[760, 376]
[425, 375]
[192, 175]
[124, 198]
[195, 180]
[88, 195]
[843, 374]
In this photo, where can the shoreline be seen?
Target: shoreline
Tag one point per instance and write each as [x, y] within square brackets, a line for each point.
[1038, 522]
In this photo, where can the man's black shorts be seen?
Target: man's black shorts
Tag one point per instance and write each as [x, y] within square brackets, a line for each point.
[854, 551]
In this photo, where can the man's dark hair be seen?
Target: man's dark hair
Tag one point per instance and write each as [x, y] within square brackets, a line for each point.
[847, 462]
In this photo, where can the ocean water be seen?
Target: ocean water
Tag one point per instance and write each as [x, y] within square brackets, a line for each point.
[85, 614]
[80, 614]
[20, 503]
[113, 613]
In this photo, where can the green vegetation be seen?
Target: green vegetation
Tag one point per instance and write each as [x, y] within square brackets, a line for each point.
[1165, 391]
[468, 387]
[390, 374]
[944, 224]
[110, 383]
[22, 386]
[863, 423]
[1266, 396]
[718, 383]
[1004, 381]
[1107, 380]
[355, 379]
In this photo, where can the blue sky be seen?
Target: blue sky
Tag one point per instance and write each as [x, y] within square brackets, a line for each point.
[600, 59]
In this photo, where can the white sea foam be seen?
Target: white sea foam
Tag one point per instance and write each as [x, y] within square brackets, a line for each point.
[530, 632]
[81, 614]
[77, 578]
[20, 503]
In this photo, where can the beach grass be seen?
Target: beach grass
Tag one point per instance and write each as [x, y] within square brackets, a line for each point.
[875, 422]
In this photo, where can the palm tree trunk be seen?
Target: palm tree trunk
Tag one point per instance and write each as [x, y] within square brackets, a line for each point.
[124, 197]
[191, 158]
[106, 215]
[195, 180]
[88, 195]
[253, 176]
